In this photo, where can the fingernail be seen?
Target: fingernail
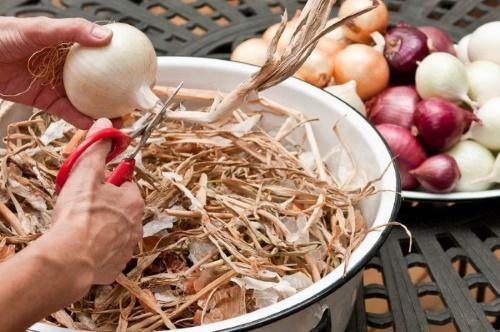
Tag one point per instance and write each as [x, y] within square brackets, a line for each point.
[102, 123]
[101, 32]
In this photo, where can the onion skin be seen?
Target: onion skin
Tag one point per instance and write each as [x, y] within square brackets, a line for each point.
[364, 65]
[361, 27]
[404, 47]
[407, 149]
[438, 174]
[440, 123]
[252, 51]
[438, 40]
[395, 105]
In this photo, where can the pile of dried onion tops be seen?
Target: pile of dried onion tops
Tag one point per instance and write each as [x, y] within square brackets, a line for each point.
[237, 217]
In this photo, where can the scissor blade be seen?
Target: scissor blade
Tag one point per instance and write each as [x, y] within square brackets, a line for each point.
[157, 118]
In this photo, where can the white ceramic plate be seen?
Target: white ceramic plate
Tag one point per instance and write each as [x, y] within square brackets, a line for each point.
[451, 197]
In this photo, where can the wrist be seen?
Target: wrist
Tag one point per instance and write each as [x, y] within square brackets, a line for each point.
[56, 252]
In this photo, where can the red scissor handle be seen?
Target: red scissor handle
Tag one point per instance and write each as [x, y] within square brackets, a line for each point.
[120, 141]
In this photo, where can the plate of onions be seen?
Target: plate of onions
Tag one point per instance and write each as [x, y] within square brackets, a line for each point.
[436, 103]
[441, 113]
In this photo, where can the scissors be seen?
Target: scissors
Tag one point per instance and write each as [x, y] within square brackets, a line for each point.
[119, 143]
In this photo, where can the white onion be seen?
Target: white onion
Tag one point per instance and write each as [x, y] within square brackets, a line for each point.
[252, 51]
[442, 75]
[462, 49]
[113, 80]
[347, 93]
[484, 43]
[487, 132]
[474, 162]
[484, 81]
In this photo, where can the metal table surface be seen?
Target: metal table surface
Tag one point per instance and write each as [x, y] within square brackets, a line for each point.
[450, 281]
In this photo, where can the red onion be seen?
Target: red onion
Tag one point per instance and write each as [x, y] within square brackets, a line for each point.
[440, 123]
[405, 46]
[406, 148]
[438, 40]
[438, 174]
[395, 105]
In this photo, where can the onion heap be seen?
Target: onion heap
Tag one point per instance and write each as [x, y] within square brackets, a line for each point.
[431, 99]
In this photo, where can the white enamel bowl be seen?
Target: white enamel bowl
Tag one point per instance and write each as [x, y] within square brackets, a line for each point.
[335, 292]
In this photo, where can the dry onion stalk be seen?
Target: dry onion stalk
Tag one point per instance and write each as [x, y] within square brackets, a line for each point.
[237, 218]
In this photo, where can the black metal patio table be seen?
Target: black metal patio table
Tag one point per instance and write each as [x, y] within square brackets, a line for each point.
[455, 260]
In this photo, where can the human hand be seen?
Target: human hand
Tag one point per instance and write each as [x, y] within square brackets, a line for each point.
[20, 38]
[102, 222]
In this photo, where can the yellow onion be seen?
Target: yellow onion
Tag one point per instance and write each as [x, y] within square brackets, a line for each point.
[366, 66]
[317, 69]
[252, 51]
[360, 29]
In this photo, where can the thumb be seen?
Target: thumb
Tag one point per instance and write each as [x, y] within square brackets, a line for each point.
[48, 31]
[91, 164]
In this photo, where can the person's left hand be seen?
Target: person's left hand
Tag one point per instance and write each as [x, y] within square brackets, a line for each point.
[20, 38]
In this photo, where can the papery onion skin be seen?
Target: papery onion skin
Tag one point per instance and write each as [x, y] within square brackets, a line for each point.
[440, 123]
[252, 51]
[407, 149]
[404, 47]
[361, 27]
[394, 105]
[347, 93]
[115, 79]
[438, 40]
[438, 174]
[484, 43]
[474, 162]
[364, 65]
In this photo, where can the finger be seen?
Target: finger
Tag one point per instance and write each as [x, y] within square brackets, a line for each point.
[117, 122]
[53, 103]
[45, 31]
[90, 166]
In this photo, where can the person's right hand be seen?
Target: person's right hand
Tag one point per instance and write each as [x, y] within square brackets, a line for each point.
[102, 222]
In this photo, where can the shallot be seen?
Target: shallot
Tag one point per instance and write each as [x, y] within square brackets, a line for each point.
[360, 28]
[438, 174]
[404, 47]
[364, 65]
[113, 80]
[484, 43]
[440, 123]
[484, 81]
[395, 105]
[487, 132]
[442, 75]
[475, 162]
[252, 51]
[407, 149]
[438, 40]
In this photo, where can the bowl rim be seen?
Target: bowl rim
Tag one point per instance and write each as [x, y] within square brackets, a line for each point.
[353, 270]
